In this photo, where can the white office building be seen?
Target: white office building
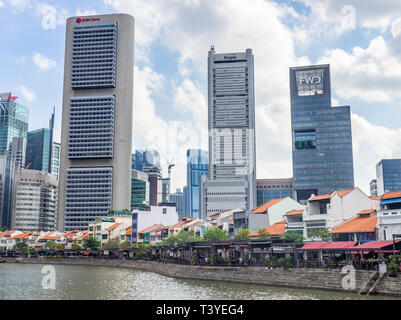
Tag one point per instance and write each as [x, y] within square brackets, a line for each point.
[232, 166]
[96, 135]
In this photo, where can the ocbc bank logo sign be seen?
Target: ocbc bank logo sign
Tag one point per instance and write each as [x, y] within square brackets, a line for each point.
[310, 80]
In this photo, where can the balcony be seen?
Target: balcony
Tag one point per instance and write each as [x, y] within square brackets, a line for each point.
[294, 225]
[315, 217]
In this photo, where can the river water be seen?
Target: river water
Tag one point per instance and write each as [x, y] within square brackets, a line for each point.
[24, 282]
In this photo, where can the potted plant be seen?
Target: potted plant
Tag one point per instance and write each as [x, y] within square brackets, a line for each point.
[194, 258]
[230, 259]
[287, 263]
[280, 263]
[392, 268]
[212, 259]
[245, 259]
[266, 263]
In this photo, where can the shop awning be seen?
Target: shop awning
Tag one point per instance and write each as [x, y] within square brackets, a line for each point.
[340, 245]
[396, 200]
[375, 245]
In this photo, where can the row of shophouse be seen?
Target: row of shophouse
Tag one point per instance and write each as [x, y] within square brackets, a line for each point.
[349, 215]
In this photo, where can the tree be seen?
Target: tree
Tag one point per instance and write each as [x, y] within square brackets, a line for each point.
[298, 238]
[3, 229]
[49, 244]
[322, 233]
[181, 237]
[263, 233]
[125, 245]
[20, 246]
[215, 234]
[91, 243]
[243, 234]
[76, 246]
[111, 245]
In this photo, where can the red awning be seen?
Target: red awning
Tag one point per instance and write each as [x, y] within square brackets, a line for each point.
[340, 245]
[375, 245]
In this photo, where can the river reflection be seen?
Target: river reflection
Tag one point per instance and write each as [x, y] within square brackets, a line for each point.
[24, 282]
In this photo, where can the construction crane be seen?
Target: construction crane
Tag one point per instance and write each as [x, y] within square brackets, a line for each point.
[170, 166]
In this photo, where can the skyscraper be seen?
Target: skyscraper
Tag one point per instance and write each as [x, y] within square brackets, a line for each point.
[35, 201]
[56, 160]
[96, 135]
[13, 120]
[139, 189]
[388, 176]
[270, 189]
[321, 135]
[232, 166]
[38, 150]
[197, 166]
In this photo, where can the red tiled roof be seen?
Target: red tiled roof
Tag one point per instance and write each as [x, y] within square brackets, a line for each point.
[22, 236]
[266, 206]
[391, 195]
[356, 225]
[48, 237]
[329, 245]
[375, 198]
[368, 211]
[341, 194]
[112, 227]
[376, 244]
[274, 230]
[294, 213]
[147, 229]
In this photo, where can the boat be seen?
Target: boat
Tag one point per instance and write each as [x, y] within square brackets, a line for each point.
[2, 260]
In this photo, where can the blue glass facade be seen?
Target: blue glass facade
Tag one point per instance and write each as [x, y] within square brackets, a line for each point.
[321, 135]
[38, 150]
[197, 165]
[147, 158]
[13, 121]
[388, 176]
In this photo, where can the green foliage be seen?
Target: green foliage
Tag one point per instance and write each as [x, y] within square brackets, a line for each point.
[392, 267]
[125, 245]
[194, 258]
[322, 233]
[49, 244]
[215, 234]
[20, 246]
[180, 238]
[243, 234]
[111, 245]
[245, 258]
[76, 246]
[91, 243]
[263, 233]
[212, 259]
[298, 238]
[266, 262]
[3, 229]
[230, 259]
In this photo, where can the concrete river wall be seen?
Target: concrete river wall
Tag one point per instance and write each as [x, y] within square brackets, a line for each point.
[294, 278]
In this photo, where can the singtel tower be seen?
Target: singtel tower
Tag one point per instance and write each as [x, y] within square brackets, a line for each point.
[232, 174]
[96, 136]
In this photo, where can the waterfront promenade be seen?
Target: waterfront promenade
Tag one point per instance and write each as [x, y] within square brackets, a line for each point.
[302, 278]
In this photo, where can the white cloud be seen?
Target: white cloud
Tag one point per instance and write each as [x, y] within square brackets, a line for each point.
[42, 62]
[27, 94]
[1, 4]
[87, 12]
[372, 74]
[371, 144]
[190, 27]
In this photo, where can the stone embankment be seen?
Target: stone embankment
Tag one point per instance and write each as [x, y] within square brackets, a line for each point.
[294, 278]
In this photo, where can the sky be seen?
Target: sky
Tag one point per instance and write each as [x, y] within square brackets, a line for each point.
[361, 40]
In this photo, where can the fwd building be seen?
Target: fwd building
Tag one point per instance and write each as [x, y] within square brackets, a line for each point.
[232, 166]
[96, 136]
[321, 135]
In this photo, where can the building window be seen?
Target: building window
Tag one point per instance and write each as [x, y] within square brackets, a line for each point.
[305, 140]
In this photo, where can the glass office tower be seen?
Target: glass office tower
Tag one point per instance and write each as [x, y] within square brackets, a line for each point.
[13, 120]
[321, 135]
[38, 150]
[388, 176]
[197, 166]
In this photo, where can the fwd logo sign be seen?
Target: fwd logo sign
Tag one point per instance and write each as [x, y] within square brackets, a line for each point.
[310, 80]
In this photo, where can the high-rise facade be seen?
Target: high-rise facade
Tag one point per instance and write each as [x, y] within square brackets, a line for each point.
[15, 159]
[197, 166]
[56, 160]
[388, 173]
[35, 201]
[147, 158]
[321, 135]
[96, 134]
[270, 189]
[13, 120]
[139, 189]
[232, 150]
[39, 148]
[178, 199]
